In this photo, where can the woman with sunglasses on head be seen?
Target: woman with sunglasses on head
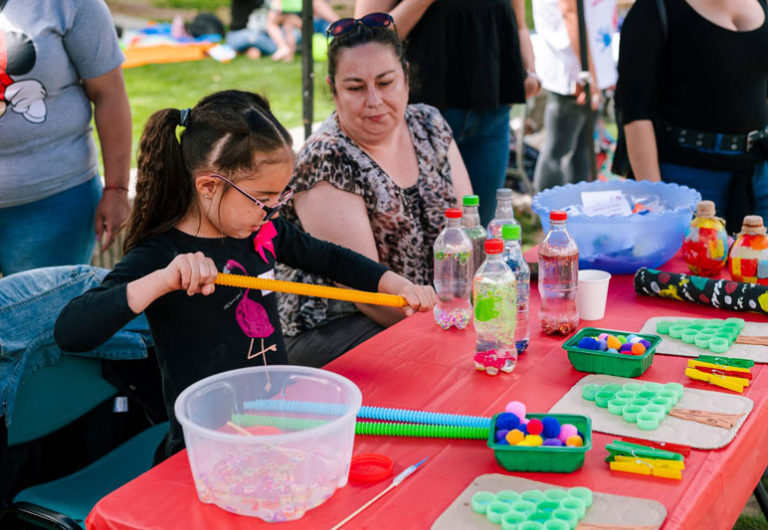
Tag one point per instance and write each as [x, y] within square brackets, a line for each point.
[208, 203]
[376, 178]
[472, 60]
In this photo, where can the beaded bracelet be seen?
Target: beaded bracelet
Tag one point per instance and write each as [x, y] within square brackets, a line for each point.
[117, 188]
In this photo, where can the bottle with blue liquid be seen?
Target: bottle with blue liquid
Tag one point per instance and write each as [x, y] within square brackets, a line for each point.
[513, 257]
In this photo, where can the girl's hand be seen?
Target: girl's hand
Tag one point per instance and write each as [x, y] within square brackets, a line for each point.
[419, 297]
[192, 272]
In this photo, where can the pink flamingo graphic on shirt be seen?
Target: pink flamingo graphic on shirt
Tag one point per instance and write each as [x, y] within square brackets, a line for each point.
[253, 320]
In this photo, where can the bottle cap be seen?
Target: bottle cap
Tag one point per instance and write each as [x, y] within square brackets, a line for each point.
[470, 200]
[494, 246]
[510, 232]
[503, 193]
[753, 225]
[370, 468]
[557, 215]
[705, 209]
[453, 213]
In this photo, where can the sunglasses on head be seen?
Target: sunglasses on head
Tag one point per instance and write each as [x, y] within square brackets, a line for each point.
[371, 20]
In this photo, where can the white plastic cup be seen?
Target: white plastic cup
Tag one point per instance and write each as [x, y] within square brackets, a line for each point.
[592, 293]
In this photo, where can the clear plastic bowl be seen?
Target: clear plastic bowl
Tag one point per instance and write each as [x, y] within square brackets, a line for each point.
[622, 244]
[270, 442]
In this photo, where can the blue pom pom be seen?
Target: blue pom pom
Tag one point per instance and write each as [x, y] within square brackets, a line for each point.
[627, 346]
[645, 343]
[501, 434]
[551, 427]
[507, 420]
[554, 442]
[602, 344]
[588, 343]
[612, 350]
[522, 428]
[633, 338]
[503, 441]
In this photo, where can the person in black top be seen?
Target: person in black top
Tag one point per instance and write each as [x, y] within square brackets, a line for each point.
[205, 204]
[472, 61]
[693, 83]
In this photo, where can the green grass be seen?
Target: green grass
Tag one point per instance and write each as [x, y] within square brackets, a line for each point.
[750, 522]
[200, 5]
[180, 85]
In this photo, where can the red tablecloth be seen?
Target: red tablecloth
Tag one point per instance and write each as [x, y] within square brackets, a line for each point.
[417, 365]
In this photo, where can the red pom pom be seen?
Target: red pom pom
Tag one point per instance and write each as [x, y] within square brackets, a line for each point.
[535, 426]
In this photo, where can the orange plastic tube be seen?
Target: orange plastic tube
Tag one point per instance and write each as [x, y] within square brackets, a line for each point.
[307, 289]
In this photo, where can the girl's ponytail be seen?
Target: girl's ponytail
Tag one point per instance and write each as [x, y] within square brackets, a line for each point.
[164, 189]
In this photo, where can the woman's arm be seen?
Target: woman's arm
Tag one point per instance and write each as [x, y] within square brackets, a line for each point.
[461, 184]
[112, 114]
[340, 217]
[532, 82]
[406, 13]
[642, 150]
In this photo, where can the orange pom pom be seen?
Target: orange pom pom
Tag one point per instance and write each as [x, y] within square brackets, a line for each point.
[574, 441]
[638, 349]
[515, 437]
[613, 342]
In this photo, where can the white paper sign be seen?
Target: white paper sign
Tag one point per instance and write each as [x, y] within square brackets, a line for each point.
[608, 202]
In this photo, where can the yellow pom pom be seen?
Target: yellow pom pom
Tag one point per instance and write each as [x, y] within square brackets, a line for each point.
[515, 437]
[574, 441]
[613, 342]
[534, 439]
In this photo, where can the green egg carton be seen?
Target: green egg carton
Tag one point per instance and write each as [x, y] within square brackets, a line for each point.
[603, 362]
[544, 459]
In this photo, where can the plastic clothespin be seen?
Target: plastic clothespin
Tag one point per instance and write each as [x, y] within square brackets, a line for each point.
[618, 447]
[661, 468]
[671, 464]
[665, 446]
[733, 362]
[721, 371]
[697, 363]
[729, 383]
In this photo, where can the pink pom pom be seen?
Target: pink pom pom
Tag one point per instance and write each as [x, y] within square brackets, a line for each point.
[567, 430]
[516, 408]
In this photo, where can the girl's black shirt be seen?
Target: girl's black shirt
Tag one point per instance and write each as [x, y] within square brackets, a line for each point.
[198, 336]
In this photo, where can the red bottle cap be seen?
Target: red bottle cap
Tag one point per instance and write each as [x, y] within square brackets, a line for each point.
[558, 215]
[453, 213]
[494, 246]
[370, 468]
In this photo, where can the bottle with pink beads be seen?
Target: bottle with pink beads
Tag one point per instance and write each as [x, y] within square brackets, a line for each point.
[452, 254]
[513, 427]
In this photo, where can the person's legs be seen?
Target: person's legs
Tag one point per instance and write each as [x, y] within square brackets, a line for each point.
[57, 230]
[319, 346]
[483, 140]
[245, 40]
[564, 122]
[291, 27]
[713, 185]
[275, 32]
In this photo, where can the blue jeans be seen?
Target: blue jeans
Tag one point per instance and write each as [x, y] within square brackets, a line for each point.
[760, 187]
[713, 185]
[57, 230]
[30, 303]
[242, 39]
[483, 140]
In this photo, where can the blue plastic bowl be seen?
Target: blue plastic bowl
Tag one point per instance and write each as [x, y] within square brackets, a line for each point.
[622, 244]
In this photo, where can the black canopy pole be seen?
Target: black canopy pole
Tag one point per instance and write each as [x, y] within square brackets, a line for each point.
[307, 65]
[586, 79]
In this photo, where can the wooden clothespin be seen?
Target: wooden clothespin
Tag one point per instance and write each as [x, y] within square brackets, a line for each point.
[715, 419]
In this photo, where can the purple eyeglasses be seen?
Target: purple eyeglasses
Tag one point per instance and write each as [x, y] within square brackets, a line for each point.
[269, 211]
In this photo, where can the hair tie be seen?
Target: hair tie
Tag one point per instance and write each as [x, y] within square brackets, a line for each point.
[184, 117]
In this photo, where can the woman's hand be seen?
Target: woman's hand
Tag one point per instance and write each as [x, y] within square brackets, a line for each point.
[419, 297]
[193, 272]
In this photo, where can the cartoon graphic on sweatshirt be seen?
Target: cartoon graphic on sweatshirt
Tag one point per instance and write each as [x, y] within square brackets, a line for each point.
[17, 57]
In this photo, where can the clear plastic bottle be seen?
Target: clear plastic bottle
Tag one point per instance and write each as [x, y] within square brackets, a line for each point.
[471, 224]
[513, 257]
[494, 294]
[453, 273]
[505, 214]
[558, 278]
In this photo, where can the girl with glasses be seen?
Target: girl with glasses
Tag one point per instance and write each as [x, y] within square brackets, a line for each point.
[376, 177]
[207, 203]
